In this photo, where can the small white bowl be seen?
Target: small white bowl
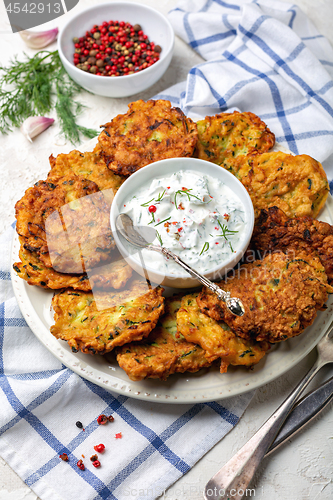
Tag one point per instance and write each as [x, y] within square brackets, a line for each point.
[144, 177]
[153, 23]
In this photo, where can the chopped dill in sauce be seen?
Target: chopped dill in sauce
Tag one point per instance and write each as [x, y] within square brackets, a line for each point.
[196, 216]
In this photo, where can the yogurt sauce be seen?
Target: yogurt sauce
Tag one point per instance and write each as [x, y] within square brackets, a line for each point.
[196, 216]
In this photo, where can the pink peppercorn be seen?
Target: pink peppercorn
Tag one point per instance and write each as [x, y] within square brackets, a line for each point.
[113, 40]
[80, 465]
[99, 448]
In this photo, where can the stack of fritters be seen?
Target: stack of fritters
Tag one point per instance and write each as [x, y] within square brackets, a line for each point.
[66, 243]
[66, 222]
[42, 201]
[31, 269]
[64, 227]
[115, 274]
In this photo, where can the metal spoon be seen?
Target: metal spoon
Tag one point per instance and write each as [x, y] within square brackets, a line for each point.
[124, 225]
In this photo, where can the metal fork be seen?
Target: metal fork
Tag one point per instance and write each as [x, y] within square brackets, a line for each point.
[235, 476]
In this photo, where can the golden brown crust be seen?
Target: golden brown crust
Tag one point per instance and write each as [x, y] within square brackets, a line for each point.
[281, 295]
[216, 338]
[43, 198]
[69, 202]
[224, 137]
[97, 323]
[164, 351]
[148, 132]
[34, 272]
[275, 231]
[115, 274]
[89, 165]
[296, 184]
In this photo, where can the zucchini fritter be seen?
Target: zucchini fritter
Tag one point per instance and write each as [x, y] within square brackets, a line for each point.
[216, 338]
[281, 295]
[89, 165]
[164, 352]
[33, 271]
[97, 323]
[226, 136]
[115, 275]
[66, 222]
[275, 231]
[296, 184]
[148, 132]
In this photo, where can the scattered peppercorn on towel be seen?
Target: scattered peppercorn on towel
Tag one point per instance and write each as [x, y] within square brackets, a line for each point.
[148, 446]
[262, 56]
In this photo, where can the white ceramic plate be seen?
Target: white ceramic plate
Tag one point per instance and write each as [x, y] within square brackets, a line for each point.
[203, 386]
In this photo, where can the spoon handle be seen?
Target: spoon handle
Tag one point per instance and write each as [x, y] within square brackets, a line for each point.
[124, 225]
[222, 295]
[235, 476]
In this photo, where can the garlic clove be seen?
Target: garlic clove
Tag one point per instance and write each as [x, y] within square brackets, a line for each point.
[39, 39]
[35, 125]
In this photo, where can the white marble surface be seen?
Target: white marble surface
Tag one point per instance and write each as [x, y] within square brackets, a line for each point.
[303, 468]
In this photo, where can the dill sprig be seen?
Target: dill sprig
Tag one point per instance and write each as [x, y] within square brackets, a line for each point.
[158, 199]
[153, 218]
[164, 220]
[225, 231]
[158, 236]
[146, 203]
[160, 196]
[204, 248]
[188, 194]
[67, 109]
[35, 87]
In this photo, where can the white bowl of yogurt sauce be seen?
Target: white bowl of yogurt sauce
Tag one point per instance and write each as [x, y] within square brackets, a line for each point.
[199, 210]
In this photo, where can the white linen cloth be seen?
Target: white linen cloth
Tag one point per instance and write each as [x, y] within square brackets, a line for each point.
[265, 57]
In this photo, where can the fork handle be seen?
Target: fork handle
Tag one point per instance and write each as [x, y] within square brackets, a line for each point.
[235, 476]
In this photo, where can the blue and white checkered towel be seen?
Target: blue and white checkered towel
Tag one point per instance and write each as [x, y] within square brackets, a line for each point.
[265, 57]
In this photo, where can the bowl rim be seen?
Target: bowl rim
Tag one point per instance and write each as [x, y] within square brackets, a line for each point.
[249, 222]
[165, 53]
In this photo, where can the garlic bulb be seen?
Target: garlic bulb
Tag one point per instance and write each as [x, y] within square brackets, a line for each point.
[35, 125]
[39, 39]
